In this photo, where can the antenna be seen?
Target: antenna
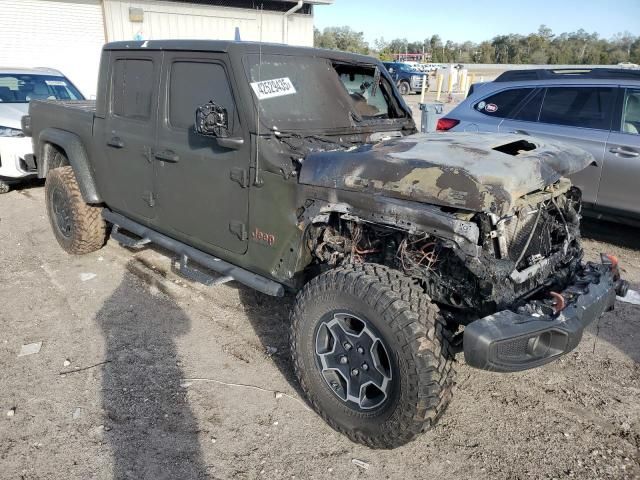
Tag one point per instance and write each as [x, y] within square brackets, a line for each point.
[257, 180]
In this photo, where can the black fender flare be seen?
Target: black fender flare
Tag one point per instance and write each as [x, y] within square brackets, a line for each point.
[75, 153]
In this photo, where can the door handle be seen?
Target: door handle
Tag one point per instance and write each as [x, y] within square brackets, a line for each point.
[520, 132]
[115, 142]
[623, 151]
[167, 156]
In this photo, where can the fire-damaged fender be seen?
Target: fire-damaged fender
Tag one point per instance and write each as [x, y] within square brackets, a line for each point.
[48, 140]
[409, 216]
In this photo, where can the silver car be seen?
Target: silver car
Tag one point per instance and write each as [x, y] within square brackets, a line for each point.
[596, 109]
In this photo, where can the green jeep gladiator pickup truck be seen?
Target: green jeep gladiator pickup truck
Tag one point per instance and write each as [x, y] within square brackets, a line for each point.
[300, 170]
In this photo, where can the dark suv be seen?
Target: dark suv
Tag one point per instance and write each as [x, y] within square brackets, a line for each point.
[300, 170]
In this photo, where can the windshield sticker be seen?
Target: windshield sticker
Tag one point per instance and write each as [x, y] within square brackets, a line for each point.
[481, 105]
[55, 83]
[491, 107]
[277, 87]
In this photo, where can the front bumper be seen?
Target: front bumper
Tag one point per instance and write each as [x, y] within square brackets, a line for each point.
[416, 84]
[510, 341]
[13, 151]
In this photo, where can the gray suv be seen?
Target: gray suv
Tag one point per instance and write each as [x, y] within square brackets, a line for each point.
[595, 109]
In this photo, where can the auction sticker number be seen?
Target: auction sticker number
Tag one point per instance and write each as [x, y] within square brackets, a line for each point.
[277, 87]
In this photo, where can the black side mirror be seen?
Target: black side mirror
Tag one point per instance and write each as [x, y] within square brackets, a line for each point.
[212, 120]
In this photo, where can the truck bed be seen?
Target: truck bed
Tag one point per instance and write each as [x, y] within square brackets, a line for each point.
[84, 105]
[75, 116]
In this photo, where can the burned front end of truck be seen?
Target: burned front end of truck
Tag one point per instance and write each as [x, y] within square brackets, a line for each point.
[486, 225]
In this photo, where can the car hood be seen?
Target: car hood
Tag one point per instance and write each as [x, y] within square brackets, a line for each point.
[471, 171]
[12, 113]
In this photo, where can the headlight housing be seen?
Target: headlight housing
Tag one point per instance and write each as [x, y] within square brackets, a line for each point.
[10, 132]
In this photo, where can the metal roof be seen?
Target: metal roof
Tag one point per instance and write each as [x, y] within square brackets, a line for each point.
[568, 74]
[231, 46]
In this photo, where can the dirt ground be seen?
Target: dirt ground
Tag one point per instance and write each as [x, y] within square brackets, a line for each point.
[142, 375]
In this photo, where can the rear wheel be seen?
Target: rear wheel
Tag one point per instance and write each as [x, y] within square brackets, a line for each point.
[78, 227]
[371, 353]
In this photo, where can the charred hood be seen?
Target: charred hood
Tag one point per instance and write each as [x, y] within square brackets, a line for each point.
[470, 171]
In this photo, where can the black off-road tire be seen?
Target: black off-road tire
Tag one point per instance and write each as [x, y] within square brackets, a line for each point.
[405, 88]
[415, 335]
[78, 227]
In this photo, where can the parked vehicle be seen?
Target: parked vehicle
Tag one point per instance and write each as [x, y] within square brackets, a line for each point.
[407, 78]
[596, 109]
[290, 169]
[18, 86]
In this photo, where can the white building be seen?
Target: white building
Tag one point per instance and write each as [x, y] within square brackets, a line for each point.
[68, 34]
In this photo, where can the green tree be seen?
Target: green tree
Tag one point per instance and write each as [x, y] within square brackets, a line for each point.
[540, 47]
[635, 51]
[437, 55]
[341, 38]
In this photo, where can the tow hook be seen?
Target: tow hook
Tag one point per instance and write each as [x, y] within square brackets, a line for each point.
[559, 303]
[621, 286]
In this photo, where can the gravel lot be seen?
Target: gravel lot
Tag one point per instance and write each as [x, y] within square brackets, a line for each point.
[143, 375]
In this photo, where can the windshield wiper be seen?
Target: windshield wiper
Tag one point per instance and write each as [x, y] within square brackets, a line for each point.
[355, 116]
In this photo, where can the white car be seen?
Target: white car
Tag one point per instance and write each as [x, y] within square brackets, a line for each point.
[18, 86]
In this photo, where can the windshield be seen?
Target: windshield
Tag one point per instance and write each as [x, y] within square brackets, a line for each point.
[298, 93]
[22, 88]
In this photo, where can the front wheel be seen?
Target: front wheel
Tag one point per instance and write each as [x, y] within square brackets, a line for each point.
[371, 353]
[405, 88]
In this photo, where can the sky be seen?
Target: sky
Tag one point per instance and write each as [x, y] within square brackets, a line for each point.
[477, 20]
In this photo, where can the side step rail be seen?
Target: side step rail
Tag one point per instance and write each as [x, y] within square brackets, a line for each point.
[126, 240]
[196, 275]
[186, 253]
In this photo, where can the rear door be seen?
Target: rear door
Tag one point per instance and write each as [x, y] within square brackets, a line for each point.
[619, 185]
[492, 111]
[130, 132]
[580, 115]
[203, 188]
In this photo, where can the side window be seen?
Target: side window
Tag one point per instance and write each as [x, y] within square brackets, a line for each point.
[530, 111]
[631, 112]
[503, 103]
[587, 107]
[131, 88]
[193, 84]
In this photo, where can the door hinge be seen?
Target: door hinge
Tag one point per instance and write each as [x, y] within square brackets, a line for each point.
[239, 229]
[241, 176]
[149, 198]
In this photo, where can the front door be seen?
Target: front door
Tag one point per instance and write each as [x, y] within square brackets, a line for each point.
[621, 172]
[130, 132]
[202, 188]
